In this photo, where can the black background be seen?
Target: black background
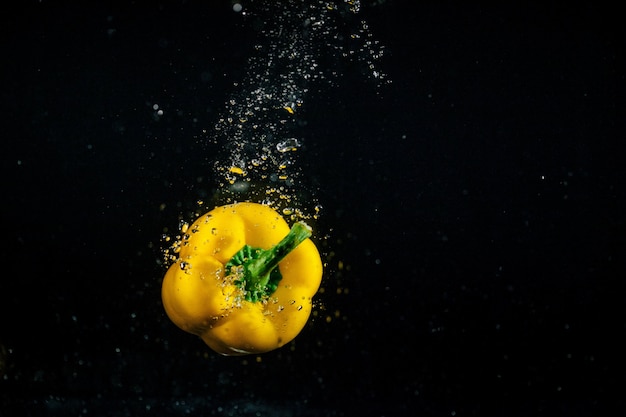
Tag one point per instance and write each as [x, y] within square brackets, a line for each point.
[475, 205]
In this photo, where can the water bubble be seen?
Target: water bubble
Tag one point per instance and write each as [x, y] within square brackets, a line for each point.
[287, 145]
[240, 187]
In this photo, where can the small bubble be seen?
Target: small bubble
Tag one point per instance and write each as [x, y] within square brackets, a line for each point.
[287, 145]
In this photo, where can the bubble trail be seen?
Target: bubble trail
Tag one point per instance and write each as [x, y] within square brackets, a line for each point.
[260, 121]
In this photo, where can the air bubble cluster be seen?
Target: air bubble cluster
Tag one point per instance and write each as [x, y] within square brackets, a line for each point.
[260, 123]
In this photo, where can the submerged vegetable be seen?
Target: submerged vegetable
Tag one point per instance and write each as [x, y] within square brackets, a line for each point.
[243, 281]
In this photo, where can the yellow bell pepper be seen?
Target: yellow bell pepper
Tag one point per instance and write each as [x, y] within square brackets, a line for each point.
[243, 281]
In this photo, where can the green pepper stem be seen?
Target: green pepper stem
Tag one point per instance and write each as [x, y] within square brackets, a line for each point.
[259, 265]
[268, 259]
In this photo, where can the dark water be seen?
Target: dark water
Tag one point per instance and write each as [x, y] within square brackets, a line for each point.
[474, 211]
